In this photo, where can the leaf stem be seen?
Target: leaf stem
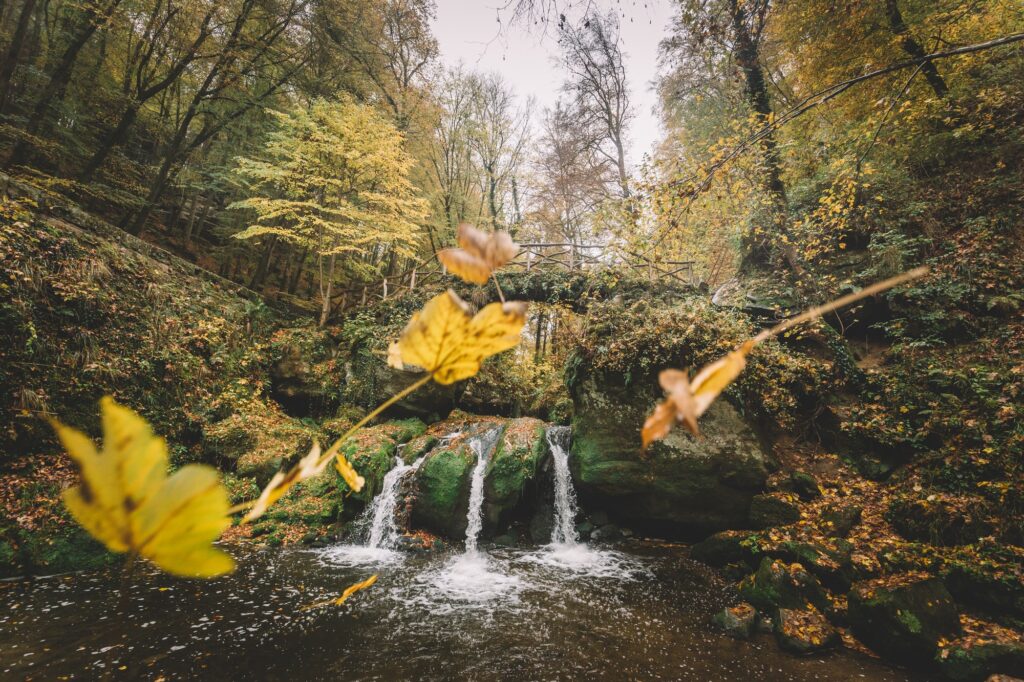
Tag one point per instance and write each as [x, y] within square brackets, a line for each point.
[820, 310]
[501, 294]
[336, 446]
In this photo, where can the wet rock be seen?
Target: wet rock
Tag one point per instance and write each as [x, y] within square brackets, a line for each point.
[607, 533]
[584, 529]
[442, 489]
[504, 541]
[737, 621]
[903, 618]
[804, 631]
[298, 387]
[682, 485]
[513, 467]
[780, 585]
[772, 510]
[840, 519]
[372, 452]
[940, 519]
[599, 518]
[805, 486]
[832, 566]
[964, 660]
[542, 523]
[725, 547]
[998, 592]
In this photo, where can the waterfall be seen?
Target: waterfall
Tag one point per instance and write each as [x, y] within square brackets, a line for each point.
[475, 517]
[564, 530]
[384, 531]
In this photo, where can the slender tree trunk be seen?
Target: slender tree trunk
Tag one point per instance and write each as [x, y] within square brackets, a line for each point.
[914, 49]
[109, 141]
[748, 59]
[326, 289]
[264, 264]
[293, 286]
[10, 62]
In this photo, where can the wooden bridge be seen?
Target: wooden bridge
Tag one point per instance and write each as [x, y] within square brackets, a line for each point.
[564, 256]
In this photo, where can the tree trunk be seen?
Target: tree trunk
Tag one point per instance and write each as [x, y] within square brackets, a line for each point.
[110, 140]
[757, 251]
[293, 285]
[914, 49]
[264, 265]
[325, 291]
[10, 62]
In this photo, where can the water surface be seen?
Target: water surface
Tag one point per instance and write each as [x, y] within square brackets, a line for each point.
[555, 613]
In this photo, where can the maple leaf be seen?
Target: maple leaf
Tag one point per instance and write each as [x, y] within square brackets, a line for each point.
[127, 501]
[448, 342]
[480, 253]
[688, 399]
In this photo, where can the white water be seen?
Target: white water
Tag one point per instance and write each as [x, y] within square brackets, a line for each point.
[565, 552]
[384, 532]
[564, 530]
[475, 516]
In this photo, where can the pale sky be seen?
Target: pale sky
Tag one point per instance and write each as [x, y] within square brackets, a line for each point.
[469, 32]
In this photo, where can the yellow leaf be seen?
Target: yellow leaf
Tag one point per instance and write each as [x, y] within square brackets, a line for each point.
[127, 501]
[686, 399]
[307, 467]
[349, 591]
[480, 253]
[352, 589]
[352, 478]
[444, 340]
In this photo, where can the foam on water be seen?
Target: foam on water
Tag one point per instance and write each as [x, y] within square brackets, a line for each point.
[583, 561]
[360, 555]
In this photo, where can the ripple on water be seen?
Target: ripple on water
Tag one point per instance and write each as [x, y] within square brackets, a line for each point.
[470, 581]
[359, 555]
[581, 560]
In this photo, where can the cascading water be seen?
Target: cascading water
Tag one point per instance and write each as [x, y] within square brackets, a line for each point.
[475, 515]
[564, 530]
[384, 531]
[380, 515]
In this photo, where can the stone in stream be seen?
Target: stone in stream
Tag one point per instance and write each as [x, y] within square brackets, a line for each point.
[725, 547]
[442, 482]
[682, 485]
[737, 621]
[903, 618]
[804, 631]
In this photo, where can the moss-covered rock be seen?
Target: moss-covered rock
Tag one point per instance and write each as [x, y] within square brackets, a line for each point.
[940, 519]
[737, 621]
[442, 489]
[726, 547]
[780, 585]
[682, 485]
[372, 452]
[772, 510]
[969, 660]
[903, 618]
[513, 466]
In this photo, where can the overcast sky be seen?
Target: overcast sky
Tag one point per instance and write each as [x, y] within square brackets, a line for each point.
[469, 31]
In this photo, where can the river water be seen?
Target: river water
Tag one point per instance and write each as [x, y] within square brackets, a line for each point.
[553, 614]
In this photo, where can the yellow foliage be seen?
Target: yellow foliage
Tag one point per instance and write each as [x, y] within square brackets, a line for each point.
[127, 501]
[450, 344]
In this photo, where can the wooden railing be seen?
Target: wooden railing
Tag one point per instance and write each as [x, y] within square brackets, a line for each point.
[531, 257]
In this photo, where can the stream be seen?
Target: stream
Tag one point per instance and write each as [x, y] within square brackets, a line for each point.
[566, 610]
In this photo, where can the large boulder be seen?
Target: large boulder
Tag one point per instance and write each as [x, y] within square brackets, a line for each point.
[682, 485]
[441, 498]
[903, 618]
[513, 468]
[726, 547]
[967, 659]
[372, 452]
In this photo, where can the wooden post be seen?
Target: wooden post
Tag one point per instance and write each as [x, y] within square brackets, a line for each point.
[363, 302]
[385, 296]
[412, 281]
